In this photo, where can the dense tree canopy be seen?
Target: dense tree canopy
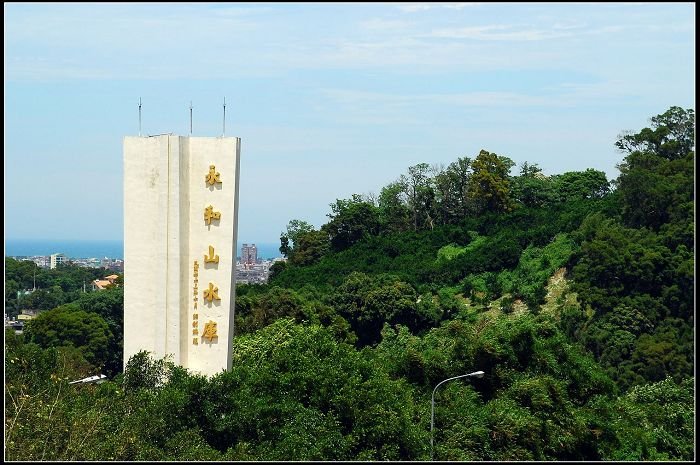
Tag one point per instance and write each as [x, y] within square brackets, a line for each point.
[351, 221]
[657, 174]
[489, 184]
[68, 325]
[44, 289]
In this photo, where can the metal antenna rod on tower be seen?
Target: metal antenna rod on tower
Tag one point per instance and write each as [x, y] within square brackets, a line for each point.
[224, 133]
[190, 117]
[139, 116]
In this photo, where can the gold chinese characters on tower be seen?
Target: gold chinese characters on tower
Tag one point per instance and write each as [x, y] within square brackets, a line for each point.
[210, 331]
[211, 293]
[212, 177]
[211, 258]
[210, 214]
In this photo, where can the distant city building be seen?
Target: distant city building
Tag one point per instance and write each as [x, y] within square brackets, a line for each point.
[257, 273]
[249, 254]
[87, 262]
[101, 284]
[57, 259]
[17, 325]
[28, 314]
[40, 261]
[112, 264]
[116, 264]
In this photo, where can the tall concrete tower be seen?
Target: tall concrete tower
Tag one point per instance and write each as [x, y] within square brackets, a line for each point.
[180, 227]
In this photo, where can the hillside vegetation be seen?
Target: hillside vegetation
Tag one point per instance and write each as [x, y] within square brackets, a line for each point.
[573, 293]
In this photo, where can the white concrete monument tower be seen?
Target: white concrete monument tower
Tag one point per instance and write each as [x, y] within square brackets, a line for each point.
[180, 224]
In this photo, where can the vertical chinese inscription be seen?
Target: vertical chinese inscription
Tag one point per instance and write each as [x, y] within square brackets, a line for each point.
[195, 315]
[210, 294]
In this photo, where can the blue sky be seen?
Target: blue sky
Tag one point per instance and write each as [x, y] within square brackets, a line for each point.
[329, 99]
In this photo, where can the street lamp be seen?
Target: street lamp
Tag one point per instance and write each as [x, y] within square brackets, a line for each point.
[476, 374]
[99, 379]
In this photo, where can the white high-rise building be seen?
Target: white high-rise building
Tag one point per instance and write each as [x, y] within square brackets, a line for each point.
[180, 223]
[57, 259]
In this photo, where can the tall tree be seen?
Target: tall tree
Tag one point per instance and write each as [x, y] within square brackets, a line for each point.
[489, 186]
[421, 196]
[289, 239]
[451, 185]
[350, 221]
[578, 185]
[671, 136]
[310, 247]
[657, 175]
[393, 210]
[532, 188]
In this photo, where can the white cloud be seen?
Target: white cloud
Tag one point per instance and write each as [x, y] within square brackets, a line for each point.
[460, 5]
[497, 32]
[568, 26]
[401, 102]
[192, 42]
[414, 7]
[384, 25]
[122, 41]
[390, 107]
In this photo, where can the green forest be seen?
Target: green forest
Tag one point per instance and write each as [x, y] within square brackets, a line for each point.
[573, 293]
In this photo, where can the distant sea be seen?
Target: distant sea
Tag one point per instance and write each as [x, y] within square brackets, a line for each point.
[72, 249]
[97, 249]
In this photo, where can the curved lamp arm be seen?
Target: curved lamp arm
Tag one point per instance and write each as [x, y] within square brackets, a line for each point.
[476, 374]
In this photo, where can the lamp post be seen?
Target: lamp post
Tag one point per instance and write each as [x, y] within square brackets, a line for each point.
[476, 374]
[91, 379]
